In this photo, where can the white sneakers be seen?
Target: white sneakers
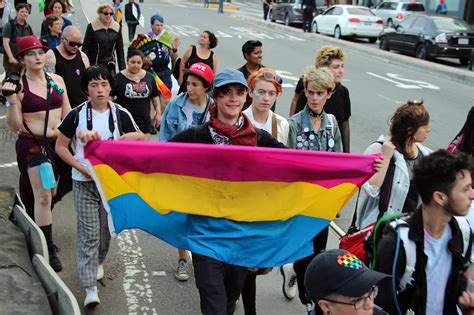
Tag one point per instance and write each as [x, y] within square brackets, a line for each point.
[100, 272]
[92, 298]
[289, 281]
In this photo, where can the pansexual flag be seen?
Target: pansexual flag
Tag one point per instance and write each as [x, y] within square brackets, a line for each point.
[248, 206]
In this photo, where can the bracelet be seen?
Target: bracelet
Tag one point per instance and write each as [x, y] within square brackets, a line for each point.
[8, 104]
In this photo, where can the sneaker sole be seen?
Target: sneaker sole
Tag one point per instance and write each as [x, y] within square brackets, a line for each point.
[91, 304]
[283, 286]
[182, 278]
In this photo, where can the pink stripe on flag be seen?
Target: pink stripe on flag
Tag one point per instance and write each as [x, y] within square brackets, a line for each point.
[232, 163]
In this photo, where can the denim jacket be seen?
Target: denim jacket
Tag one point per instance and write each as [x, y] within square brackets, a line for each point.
[174, 119]
[302, 135]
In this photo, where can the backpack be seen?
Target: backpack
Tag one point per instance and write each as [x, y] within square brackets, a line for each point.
[117, 114]
[410, 246]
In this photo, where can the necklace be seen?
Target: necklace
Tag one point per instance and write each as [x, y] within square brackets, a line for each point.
[316, 115]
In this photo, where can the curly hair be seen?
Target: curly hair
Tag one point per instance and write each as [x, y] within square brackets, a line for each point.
[101, 8]
[327, 53]
[438, 172]
[319, 78]
[405, 122]
[212, 39]
[252, 80]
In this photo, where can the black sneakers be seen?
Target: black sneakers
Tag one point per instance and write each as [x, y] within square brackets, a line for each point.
[54, 261]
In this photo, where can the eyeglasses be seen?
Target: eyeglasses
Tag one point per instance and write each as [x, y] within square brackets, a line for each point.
[269, 76]
[32, 53]
[73, 44]
[108, 13]
[362, 301]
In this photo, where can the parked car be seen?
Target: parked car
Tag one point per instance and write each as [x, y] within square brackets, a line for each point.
[289, 11]
[393, 12]
[431, 36]
[348, 20]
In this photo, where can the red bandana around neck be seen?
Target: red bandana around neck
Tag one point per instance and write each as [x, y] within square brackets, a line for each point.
[245, 135]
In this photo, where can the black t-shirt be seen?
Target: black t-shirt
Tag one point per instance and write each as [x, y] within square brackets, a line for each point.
[339, 104]
[136, 97]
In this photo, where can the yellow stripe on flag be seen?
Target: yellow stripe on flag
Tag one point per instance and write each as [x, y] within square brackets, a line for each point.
[238, 201]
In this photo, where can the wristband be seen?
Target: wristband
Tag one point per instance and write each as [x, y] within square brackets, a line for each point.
[8, 104]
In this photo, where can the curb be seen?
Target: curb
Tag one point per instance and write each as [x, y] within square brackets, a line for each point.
[226, 7]
[427, 67]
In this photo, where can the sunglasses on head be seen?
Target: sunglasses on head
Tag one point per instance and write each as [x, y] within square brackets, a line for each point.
[108, 13]
[73, 44]
[269, 76]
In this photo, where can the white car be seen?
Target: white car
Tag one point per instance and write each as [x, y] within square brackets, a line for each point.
[350, 21]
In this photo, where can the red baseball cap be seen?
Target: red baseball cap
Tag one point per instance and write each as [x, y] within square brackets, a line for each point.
[25, 43]
[201, 70]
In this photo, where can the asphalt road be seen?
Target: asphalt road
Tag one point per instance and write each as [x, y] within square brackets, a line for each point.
[139, 272]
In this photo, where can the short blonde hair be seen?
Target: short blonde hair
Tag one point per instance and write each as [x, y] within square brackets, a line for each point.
[319, 78]
[327, 53]
[102, 8]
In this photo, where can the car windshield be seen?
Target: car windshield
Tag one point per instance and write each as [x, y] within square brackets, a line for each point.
[452, 24]
[417, 7]
[360, 11]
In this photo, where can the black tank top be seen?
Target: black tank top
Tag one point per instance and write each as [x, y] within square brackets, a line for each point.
[71, 71]
[194, 58]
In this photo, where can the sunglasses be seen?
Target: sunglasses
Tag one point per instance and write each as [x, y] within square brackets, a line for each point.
[108, 13]
[73, 44]
[269, 76]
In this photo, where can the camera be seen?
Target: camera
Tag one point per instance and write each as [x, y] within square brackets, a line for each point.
[13, 78]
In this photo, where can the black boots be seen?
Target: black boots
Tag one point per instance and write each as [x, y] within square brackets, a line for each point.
[54, 261]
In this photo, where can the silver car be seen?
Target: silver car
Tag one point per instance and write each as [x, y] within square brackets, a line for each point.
[393, 12]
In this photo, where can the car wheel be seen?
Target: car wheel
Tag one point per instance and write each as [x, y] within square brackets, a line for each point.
[421, 52]
[337, 32]
[270, 16]
[383, 44]
[314, 27]
[389, 23]
[372, 39]
[287, 20]
[464, 61]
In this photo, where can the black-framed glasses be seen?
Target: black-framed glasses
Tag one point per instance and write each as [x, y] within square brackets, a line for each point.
[73, 44]
[362, 301]
[269, 76]
[108, 13]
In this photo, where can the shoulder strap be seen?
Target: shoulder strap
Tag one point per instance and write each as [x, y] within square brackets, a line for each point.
[119, 119]
[274, 126]
[410, 252]
[466, 234]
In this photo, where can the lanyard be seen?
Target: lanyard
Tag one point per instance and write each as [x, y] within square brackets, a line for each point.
[89, 119]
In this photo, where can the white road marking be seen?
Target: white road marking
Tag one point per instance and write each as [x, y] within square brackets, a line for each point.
[7, 165]
[389, 99]
[397, 84]
[135, 278]
[3, 117]
[158, 273]
[179, 5]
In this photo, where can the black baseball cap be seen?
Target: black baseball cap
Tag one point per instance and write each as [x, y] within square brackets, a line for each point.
[338, 271]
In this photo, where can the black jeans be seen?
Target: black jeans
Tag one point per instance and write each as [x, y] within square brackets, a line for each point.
[307, 18]
[300, 266]
[132, 28]
[266, 8]
[249, 293]
[219, 284]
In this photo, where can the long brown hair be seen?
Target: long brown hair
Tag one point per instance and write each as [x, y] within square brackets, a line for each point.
[405, 122]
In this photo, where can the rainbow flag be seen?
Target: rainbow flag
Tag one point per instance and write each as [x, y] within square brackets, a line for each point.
[248, 206]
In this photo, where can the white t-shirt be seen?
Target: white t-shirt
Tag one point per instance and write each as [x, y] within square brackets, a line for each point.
[76, 121]
[437, 270]
[193, 114]
[267, 126]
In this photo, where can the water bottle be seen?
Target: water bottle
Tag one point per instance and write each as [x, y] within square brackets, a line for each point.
[47, 175]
